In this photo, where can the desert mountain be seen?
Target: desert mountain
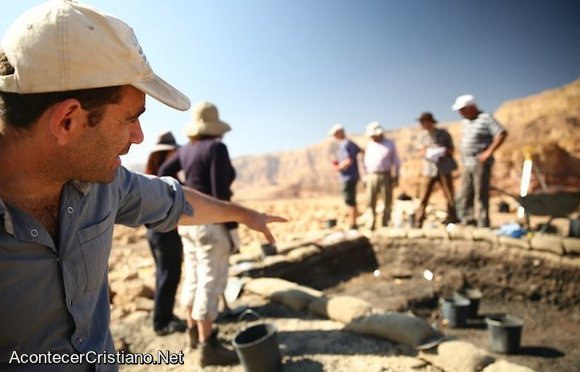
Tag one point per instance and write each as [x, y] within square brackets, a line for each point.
[546, 125]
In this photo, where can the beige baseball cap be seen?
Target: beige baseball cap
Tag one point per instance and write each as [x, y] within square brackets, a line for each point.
[64, 45]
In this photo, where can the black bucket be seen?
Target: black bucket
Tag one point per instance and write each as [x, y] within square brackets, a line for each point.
[574, 231]
[257, 347]
[505, 333]
[474, 296]
[455, 310]
[331, 223]
[268, 249]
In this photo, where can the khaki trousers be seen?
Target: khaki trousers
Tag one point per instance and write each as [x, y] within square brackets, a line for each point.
[446, 182]
[206, 252]
[379, 185]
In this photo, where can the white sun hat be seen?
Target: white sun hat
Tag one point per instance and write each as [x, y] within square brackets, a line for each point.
[463, 101]
[64, 45]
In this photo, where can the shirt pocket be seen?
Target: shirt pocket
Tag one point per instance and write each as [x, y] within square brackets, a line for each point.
[95, 242]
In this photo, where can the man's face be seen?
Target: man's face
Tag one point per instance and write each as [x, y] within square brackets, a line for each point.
[98, 157]
[377, 137]
[469, 112]
[339, 135]
[426, 124]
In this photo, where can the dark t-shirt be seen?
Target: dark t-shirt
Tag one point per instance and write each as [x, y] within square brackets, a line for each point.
[207, 167]
[349, 149]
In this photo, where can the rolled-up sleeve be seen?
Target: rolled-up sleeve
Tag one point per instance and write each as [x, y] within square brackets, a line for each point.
[157, 203]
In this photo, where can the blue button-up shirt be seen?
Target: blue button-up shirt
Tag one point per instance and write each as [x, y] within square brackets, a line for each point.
[55, 297]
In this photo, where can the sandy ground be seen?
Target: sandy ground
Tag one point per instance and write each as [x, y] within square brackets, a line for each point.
[308, 343]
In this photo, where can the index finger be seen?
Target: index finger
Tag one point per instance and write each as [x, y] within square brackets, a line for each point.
[270, 218]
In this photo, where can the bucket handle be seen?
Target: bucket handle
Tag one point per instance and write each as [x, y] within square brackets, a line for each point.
[250, 312]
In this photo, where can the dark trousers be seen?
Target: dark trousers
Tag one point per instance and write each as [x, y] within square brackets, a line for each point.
[167, 251]
[475, 186]
[446, 182]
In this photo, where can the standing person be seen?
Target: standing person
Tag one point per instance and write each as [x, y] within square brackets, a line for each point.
[167, 251]
[346, 163]
[208, 169]
[73, 82]
[438, 164]
[482, 136]
[382, 167]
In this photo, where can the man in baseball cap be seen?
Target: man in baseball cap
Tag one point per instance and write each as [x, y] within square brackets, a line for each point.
[345, 163]
[73, 82]
[482, 136]
[63, 45]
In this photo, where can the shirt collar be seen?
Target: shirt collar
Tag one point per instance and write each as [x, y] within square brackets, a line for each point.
[8, 225]
[82, 187]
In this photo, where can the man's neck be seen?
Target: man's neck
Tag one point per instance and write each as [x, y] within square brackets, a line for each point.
[29, 182]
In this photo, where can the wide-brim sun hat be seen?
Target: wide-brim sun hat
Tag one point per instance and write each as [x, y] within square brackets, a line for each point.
[165, 142]
[206, 121]
[63, 45]
[463, 101]
[374, 129]
[427, 116]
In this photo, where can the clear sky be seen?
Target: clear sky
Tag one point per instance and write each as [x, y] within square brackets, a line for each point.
[283, 71]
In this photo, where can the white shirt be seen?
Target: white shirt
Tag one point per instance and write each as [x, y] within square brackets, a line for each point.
[381, 157]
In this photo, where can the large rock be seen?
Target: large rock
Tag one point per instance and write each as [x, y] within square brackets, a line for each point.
[505, 366]
[571, 246]
[398, 327]
[459, 356]
[548, 243]
[341, 308]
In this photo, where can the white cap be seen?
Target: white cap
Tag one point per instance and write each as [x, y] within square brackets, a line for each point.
[64, 45]
[463, 101]
[335, 128]
[374, 129]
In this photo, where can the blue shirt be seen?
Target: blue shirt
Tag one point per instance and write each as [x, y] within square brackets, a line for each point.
[348, 149]
[55, 297]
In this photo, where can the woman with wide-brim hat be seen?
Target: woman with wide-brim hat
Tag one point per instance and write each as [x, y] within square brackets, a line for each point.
[207, 168]
[167, 251]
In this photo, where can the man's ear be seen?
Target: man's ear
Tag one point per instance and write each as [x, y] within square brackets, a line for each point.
[67, 118]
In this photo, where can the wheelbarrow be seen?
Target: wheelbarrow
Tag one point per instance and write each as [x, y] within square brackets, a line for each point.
[555, 205]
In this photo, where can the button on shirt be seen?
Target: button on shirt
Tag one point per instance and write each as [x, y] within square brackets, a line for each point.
[55, 297]
[382, 157]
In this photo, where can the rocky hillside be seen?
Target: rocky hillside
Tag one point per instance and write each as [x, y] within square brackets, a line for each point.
[546, 124]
